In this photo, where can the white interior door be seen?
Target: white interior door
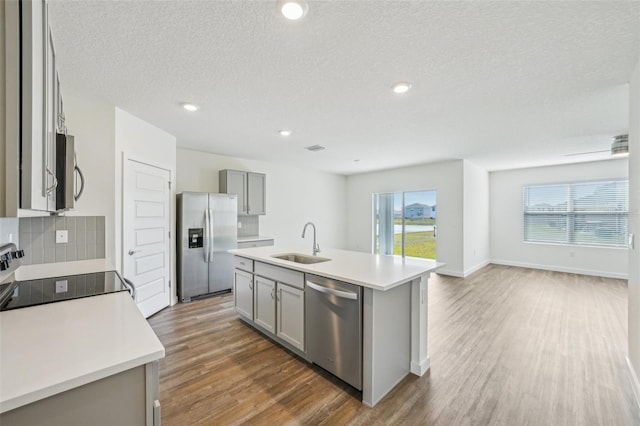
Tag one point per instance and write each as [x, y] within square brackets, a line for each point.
[146, 225]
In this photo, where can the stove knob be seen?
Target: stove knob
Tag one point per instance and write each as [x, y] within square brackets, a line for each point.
[17, 254]
[4, 265]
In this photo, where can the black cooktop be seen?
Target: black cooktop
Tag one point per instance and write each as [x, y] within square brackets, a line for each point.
[21, 294]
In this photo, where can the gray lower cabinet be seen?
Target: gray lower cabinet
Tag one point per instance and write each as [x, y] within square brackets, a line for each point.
[277, 301]
[243, 293]
[265, 304]
[290, 321]
[126, 398]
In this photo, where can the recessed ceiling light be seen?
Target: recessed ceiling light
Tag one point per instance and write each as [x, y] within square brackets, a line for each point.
[293, 9]
[190, 107]
[284, 132]
[401, 87]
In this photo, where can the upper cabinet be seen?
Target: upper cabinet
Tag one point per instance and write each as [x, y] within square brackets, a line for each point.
[33, 114]
[249, 187]
[256, 189]
[37, 180]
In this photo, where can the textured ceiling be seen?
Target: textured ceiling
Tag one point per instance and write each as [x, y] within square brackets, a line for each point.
[502, 84]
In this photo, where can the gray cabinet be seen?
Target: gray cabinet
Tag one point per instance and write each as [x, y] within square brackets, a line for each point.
[278, 304]
[264, 303]
[37, 177]
[248, 186]
[126, 398]
[243, 293]
[255, 243]
[279, 310]
[256, 188]
[290, 320]
[36, 119]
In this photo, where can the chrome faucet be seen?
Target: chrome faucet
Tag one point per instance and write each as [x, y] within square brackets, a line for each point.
[316, 247]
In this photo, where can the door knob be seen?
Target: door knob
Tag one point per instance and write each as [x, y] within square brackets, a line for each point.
[132, 252]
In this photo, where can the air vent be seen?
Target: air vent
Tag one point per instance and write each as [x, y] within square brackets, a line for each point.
[620, 145]
[315, 148]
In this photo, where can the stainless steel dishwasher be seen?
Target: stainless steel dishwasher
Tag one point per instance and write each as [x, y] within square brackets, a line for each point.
[333, 324]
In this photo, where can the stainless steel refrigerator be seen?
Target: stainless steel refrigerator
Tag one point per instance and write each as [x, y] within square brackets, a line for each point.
[207, 228]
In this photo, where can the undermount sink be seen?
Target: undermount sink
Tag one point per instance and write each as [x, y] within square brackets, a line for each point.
[300, 258]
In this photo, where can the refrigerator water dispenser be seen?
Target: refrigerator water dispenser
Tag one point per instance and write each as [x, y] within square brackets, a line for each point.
[195, 238]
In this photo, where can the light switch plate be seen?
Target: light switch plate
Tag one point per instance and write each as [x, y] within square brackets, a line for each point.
[62, 236]
[62, 286]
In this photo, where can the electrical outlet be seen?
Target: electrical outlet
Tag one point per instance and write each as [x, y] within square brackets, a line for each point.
[239, 225]
[62, 236]
[62, 286]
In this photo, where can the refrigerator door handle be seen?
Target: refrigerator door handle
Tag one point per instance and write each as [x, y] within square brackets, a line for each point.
[207, 242]
[210, 259]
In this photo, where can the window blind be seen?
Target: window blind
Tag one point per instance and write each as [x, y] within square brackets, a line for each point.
[586, 213]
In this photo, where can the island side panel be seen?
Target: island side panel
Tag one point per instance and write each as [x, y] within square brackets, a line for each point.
[119, 399]
[419, 325]
[386, 341]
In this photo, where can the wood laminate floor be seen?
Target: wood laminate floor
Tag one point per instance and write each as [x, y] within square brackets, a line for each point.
[508, 346]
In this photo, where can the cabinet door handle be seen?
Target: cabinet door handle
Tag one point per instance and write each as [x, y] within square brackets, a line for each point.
[273, 291]
[77, 196]
[157, 413]
[54, 185]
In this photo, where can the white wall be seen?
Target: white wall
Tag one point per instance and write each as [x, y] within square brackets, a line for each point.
[506, 222]
[294, 195]
[446, 178]
[92, 123]
[476, 218]
[138, 140]
[634, 227]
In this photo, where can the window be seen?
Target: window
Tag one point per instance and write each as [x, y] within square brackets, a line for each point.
[589, 213]
[405, 224]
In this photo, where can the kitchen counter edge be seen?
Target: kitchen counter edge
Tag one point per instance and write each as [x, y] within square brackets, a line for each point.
[366, 270]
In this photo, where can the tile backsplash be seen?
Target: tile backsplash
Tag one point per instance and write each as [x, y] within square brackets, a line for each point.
[9, 230]
[250, 226]
[86, 238]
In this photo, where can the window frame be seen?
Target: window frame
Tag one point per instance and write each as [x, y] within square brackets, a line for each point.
[570, 214]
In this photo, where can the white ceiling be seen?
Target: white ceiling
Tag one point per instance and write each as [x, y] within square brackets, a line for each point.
[502, 84]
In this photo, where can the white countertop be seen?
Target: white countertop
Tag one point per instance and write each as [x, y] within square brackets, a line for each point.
[367, 270]
[254, 238]
[51, 270]
[48, 349]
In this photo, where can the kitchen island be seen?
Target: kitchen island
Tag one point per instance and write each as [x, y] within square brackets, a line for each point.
[394, 307]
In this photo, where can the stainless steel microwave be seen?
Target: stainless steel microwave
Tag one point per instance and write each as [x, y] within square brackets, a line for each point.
[67, 173]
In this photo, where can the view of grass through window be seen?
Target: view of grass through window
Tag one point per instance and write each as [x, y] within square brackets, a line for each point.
[405, 224]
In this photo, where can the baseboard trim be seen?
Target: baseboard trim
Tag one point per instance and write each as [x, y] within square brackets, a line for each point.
[476, 268]
[591, 272]
[450, 272]
[635, 383]
[422, 367]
